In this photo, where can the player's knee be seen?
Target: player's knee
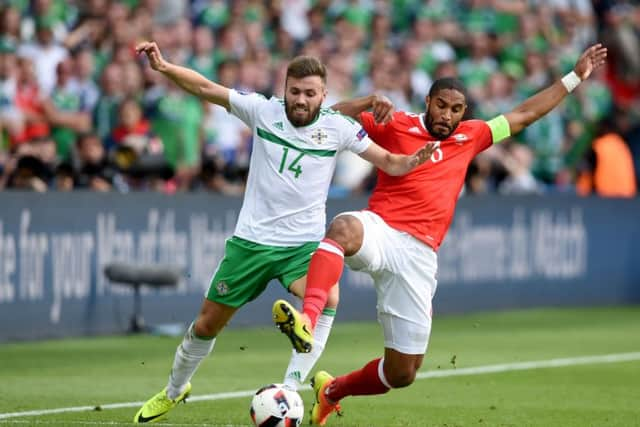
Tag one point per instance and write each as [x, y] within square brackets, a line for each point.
[201, 329]
[346, 230]
[333, 298]
[340, 230]
[204, 327]
[401, 377]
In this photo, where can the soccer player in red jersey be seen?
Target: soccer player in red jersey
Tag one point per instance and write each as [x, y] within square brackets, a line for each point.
[396, 238]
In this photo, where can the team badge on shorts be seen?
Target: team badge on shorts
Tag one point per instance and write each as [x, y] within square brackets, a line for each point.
[222, 288]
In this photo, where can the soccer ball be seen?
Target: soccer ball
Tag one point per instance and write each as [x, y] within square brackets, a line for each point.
[276, 406]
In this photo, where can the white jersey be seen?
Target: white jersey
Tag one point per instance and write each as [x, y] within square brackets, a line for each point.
[290, 170]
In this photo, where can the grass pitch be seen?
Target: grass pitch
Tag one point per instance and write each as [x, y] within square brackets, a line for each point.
[84, 374]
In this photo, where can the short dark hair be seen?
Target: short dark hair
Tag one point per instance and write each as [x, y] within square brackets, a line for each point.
[305, 66]
[447, 83]
[81, 138]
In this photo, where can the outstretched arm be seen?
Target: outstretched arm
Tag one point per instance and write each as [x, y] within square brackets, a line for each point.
[381, 107]
[546, 100]
[189, 80]
[396, 164]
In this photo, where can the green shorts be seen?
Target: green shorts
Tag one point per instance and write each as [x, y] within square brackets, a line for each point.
[247, 268]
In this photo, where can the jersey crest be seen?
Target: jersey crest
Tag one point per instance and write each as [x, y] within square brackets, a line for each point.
[460, 138]
[319, 136]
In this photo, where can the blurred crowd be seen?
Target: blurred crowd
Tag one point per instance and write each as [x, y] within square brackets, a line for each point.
[80, 110]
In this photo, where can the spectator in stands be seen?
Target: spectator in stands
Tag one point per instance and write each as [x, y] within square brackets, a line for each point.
[105, 115]
[29, 102]
[63, 110]
[93, 171]
[607, 169]
[64, 177]
[11, 117]
[133, 85]
[482, 175]
[29, 174]
[212, 178]
[134, 131]
[45, 53]
[10, 25]
[419, 79]
[176, 119]
[502, 47]
[435, 49]
[226, 137]
[517, 160]
[84, 83]
[477, 69]
[31, 166]
[203, 57]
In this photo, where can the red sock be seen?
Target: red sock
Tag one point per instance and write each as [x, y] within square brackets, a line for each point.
[324, 271]
[359, 383]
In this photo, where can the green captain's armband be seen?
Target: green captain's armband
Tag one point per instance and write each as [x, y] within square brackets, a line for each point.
[500, 128]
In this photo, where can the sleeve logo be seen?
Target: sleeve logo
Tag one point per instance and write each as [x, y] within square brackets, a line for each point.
[361, 134]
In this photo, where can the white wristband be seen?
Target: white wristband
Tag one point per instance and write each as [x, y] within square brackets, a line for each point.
[571, 81]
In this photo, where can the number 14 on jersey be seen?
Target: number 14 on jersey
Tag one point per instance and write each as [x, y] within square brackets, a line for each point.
[293, 166]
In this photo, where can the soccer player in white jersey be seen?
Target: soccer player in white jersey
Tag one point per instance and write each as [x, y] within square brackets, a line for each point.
[282, 217]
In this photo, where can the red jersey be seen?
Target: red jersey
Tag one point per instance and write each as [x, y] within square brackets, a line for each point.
[422, 202]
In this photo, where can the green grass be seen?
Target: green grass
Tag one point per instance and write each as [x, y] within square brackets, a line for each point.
[99, 371]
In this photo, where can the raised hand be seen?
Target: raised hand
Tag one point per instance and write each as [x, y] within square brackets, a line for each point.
[382, 109]
[423, 154]
[591, 59]
[152, 51]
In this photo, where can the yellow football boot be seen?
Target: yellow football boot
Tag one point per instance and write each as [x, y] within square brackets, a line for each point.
[294, 325]
[157, 407]
[322, 407]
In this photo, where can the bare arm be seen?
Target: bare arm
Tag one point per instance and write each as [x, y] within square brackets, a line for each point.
[515, 7]
[381, 106]
[396, 164]
[78, 121]
[546, 100]
[189, 80]
[83, 33]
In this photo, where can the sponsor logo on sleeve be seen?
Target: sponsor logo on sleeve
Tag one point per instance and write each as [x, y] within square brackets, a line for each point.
[361, 134]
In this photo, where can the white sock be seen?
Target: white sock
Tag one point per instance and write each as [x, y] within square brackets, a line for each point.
[189, 354]
[301, 363]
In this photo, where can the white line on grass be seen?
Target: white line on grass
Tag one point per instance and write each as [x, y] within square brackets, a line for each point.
[477, 370]
[109, 423]
[539, 364]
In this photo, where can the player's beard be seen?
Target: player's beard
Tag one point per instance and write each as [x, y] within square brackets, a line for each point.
[428, 123]
[298, 121]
